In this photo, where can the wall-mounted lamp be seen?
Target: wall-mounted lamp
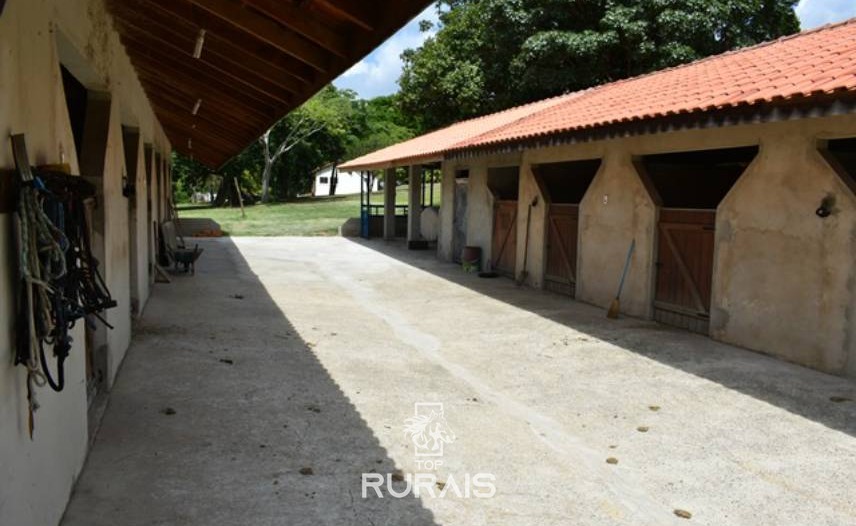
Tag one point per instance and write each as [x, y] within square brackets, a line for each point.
[826, 207]
[196, 106]
[189, 144]
[200, 42]
[128, 188]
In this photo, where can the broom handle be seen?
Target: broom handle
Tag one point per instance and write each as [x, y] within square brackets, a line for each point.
[626, 266]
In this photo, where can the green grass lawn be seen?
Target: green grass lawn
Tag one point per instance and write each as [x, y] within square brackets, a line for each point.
[311, 216]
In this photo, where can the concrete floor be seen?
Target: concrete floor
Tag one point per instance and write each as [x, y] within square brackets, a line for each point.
[332, 341]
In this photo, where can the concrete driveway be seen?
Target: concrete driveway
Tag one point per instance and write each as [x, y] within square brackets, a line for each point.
[260, 391]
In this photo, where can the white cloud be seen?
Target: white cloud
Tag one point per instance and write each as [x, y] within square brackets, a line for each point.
[378, 73]
[813, 13]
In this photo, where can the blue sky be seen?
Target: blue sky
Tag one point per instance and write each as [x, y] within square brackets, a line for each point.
[378, 73]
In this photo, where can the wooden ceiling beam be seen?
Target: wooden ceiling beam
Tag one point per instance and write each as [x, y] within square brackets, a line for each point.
[355, 11]
[203, 74]
[265, 29]
[247, 33]
[184, 13]
[174, 78]
[173, 54]
[300, 20]
[235, 61]
[213, 104]
[204, 114]
[210, 157]
[213, 115]
[195, 85]
[202, 133]
[179, 136]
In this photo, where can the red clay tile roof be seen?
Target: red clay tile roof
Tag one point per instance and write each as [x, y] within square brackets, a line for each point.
[431, 146]
[813, 63]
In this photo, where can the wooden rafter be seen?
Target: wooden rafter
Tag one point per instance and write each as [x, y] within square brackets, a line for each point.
[184, 16]
[265, 29]
[233, 61]
[201, 74]
[260, 59]
[201, 130]
[294, 18]
[353, 10]
[180, 106]
[178, 79]
[171, 54]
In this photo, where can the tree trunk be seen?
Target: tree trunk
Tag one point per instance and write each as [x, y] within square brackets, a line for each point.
[334, 179]
[266, 181]
[220, 200]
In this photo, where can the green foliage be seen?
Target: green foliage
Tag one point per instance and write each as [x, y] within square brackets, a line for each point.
[493, 54]
[349, 127]
[377, 124]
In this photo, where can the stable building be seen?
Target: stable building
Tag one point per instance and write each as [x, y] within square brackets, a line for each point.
[99, 93]
[732, 178]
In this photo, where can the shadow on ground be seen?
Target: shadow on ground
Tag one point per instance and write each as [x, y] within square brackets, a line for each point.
[223, 415]
[823, 398]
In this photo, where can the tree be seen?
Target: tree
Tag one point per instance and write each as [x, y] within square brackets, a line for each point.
[377, 124]
[329, 110]
[300, 131]
[332, 126]
[492, 54]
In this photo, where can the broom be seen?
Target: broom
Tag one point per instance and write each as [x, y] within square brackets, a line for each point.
[523, 275]
[615, 306]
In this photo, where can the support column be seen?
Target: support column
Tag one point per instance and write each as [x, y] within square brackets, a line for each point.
[389, 204]
[414, 206]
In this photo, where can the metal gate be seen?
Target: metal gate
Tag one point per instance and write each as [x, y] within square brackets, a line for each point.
[562, 227]
[685, 268]
[504, 246]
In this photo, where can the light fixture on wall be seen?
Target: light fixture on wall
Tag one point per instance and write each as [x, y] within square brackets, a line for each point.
[196, 106]
[200, 42]
[128, 188]
[189, 144]
[826, 207]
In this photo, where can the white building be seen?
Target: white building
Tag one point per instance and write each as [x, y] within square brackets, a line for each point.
[346, 183]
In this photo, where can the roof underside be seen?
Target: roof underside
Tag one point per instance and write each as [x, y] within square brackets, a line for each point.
[261, 59]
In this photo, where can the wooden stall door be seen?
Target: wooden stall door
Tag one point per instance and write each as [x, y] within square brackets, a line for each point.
[685, 268]
[505, 237]
[562, 229]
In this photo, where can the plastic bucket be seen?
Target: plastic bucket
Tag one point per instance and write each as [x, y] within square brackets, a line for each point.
[471, 259]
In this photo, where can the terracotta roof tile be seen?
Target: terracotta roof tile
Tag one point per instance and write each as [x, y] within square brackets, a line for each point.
[804, 65]
[812, 63]
[433, 144]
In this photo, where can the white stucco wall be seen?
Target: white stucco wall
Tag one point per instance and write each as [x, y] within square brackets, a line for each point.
[38, 475]
[480, 203]
[447, 212]
[784, 279]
